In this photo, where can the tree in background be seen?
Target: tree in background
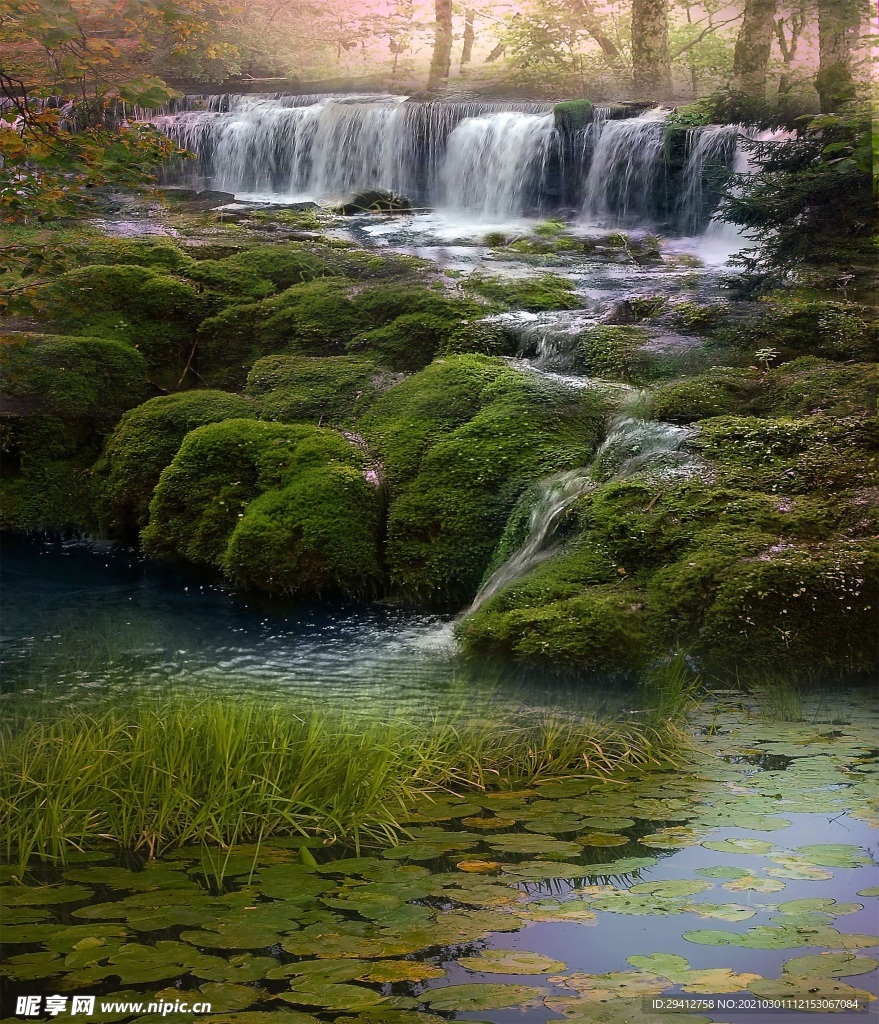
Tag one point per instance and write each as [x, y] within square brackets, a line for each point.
[651, 64]
[753, 48]
[441, 61]
[838, 24]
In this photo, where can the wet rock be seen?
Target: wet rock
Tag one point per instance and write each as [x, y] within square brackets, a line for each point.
[178, 192]
[374, 201]
[211, 196]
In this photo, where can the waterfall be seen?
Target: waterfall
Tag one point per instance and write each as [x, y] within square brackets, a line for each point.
[495, 163]
[708, 148]
[632, 445]
[627, 158]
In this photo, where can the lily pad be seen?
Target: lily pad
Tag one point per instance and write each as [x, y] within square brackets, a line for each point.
[829, 965]
[331, 996]
[533, 844]
[797, 868]
[704, 981]
[32, 966]
[557, 910]
[748, 846]
[812, 988]
[673, 838]
[602, 839]
[479, 997]
[834, 855]
[240, 969]
[42, 896]
[233, 937]
[608, 824]
[489, 824]
[560, 821]
[672, 888]
[160, 876]
[224, 996]
[871, 890]
[611, 986]
[511, 961]
[819, 906]
[479, 867]
[751, 883]
[624, 903]
[616, 868]
[723, 871]
[722, 911]
[390, 972]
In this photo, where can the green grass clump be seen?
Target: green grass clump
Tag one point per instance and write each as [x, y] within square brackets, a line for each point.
[621, 353]
[285, 509]
[156, 775]
[144, 442]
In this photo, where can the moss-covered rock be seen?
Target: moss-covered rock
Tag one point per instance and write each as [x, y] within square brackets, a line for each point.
[718, 391]
[144, 443]
[793, 456]
[63, 396]
[152, 311]
[573, 115]
[259, 272]
[536, 294]
[622, 353]
[326, 391]
[284, 509]
[459, 443]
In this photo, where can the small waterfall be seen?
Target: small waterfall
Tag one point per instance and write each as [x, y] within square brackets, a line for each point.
[632, 445]
[708, 148]
[626, 161]
[547, 340]
[494, 163]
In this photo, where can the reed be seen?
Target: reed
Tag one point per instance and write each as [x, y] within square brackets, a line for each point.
[154, 774]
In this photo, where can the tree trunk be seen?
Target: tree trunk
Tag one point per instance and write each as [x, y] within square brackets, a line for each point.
[441, 62]
[837, 32]
[753, 46]
[592, 24]
[651, 64]
[469, 37]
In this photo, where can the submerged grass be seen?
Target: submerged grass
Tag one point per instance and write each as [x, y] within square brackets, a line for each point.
[154, 774]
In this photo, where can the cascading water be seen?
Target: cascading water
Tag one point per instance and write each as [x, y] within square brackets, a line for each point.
[632, 445]
[626, 160]
[708, 149]
[494, 163]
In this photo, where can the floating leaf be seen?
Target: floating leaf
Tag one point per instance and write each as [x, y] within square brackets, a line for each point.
[673, 838]
[560, 821]
[533, 844]
[812, 988]
[744, 819]
[871, 890]
[819, 906]
[154, 876]
[557, 910]
[748, 846]
[781, 937]
[331, 996]
[565, 788]
[834, 855]
[608, 824]
[394, 971]
[241, 969]
[224, 996]
[511, 961]
[32, 966]
[751, 883]
[672, 888]
[233, 937]
[829, 965]
[479, 997]
[542, 870]
[623, 903]
[615, 868]
[797, 868]
[479, 867]
[723, 871]
[722, 911]
[42, 896]
[614, 985]
[602, 839]
[489, 824]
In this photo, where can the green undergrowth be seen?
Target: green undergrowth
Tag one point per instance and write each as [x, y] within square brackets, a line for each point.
[152, 776]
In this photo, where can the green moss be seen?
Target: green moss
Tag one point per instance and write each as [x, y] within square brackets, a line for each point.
[459, 442]
[600, 629]
[573, 115]
[697, 317]
[788, 607]
[720, 390]
[530, 293]
[153, 312]
[261, 271]
[298, 388]
[793, 456]
[144, 443]
[620, 353]
[810, 385]
[280, 508]
[65, 395]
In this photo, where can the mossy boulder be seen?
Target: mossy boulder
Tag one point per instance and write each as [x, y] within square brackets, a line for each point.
[459, 443]
[62, 396]
[718, 391]
[573, 116]
[259, 272]
[144, 442]
[152, 311]
[535, 294]
[283, 509]
[621, 353]
[790, 455]
[326, 391]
